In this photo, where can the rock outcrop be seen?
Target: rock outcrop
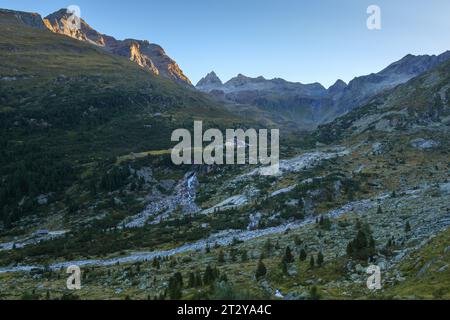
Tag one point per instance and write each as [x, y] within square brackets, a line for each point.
[210, 82]
[27, 18]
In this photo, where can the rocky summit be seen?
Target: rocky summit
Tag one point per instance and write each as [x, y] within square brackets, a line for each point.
[149, 56]
[210, 82]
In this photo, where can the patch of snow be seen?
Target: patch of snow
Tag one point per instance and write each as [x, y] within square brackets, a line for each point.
[230, 203]
[421, 143]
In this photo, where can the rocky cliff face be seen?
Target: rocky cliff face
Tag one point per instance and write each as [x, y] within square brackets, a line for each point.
[58, 22]
[133, 48]
[147, 55]
[27, 18]
[166, 66]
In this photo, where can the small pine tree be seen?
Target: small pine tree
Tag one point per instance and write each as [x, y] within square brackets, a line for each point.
[362, 247]
[320, 259]
[379, 210]
[303, 255]
[223, 278]
[298, 242]
[198, 279]
[268, 247]
[179, 279]
[156, 264]
[175, 286]
[260, 270]
[314, 293]
[284, 267]
[288, 257]
[244, 256]
[311, 262]
[208, 277]
[191, 281]
[221, 257]
[350, 249]
[233, 254]
[407, 227]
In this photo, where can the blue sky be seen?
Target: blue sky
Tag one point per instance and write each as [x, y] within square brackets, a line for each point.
[298, 40]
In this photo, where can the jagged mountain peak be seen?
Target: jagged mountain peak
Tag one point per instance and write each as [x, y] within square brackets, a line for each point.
[58, 22]
[211, 79]
[241, 80]
[147, 55]
[339, 83]
[338, 86]
[415, 64]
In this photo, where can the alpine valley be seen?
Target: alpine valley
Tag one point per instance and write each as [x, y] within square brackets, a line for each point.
[86, 176]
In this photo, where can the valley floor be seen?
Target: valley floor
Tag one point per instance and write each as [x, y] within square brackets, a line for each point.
[298, 225]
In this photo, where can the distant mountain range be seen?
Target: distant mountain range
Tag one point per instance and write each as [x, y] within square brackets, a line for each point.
[419, 105]
[311, 104]
[290, 104]
[147, 55]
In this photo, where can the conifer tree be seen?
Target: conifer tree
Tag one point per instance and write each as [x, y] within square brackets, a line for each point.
[208, 277]
[260, 270]
[244, 256]
[233, 254]
[320, 259]
[311, 262]
[268, 247]
[198, 279]
[191, 281]
[379, 210]
[407, 227]
[221, 257]
[288, 257]
[175, 286]
[303, 255]
[284, 267]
